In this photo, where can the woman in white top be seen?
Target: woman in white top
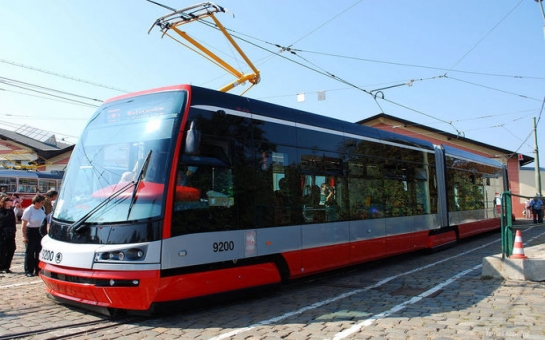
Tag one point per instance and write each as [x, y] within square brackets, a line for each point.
[33, 217]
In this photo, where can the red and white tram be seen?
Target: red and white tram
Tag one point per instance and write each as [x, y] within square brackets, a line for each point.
[183, 192]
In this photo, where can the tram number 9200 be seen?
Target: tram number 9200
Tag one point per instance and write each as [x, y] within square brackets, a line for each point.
[223, 246]
[47, 255]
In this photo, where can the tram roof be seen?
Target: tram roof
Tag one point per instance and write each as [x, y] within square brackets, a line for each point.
[303, 117]
[449, 150]
[201, 95]
[30, 174]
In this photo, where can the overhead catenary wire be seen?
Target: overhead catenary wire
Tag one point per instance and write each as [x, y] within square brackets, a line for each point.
[57, 99]
[447, 70]
[363, 87]
[322, 71]
[459, 132]
[6, 123]
[491, 88]
[370, 92]
[484, 37]
[528, 136]
[497, 115]
[326, 22]
[331, 75]
[60, 75]
[294, 52]
[46, 90]
[46, 93]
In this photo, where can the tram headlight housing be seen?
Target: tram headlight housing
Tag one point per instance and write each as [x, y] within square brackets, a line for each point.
[122, 255]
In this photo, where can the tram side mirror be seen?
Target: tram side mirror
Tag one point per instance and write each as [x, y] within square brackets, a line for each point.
[192, 140]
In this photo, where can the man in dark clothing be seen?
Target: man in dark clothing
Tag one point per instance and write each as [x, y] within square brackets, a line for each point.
[7, 234]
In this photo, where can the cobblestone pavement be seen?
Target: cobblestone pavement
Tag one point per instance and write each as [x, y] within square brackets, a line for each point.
[417, 296]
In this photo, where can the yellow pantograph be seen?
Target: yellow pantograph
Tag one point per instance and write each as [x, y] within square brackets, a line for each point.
[201, 11]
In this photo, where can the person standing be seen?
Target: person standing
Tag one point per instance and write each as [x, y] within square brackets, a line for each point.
[497, 202]
[33, 217]
[326, 194]
[7, 233]
[17, 207]
[50, 197]
[537, 209]
[528, 208]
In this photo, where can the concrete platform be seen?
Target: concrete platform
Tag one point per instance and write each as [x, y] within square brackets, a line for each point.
[530, 269]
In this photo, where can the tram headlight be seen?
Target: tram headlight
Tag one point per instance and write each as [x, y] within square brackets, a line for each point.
[125, 255]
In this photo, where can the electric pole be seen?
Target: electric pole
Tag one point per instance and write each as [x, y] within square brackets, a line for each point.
[536, 151]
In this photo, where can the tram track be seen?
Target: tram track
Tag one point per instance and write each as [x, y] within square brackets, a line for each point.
[71, 330]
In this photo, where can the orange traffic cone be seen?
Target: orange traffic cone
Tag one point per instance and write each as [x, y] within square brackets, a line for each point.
[518, 250]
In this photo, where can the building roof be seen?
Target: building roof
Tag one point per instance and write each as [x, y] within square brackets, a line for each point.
[45, 148]
[531, 168]
[406, 123]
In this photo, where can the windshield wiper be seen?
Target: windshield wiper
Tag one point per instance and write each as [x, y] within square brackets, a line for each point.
[139, 179]
[78, 225]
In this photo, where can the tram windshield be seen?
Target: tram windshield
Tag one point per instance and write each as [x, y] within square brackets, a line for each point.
[118, 170]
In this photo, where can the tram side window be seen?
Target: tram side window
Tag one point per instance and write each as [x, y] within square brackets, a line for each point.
[388, 188]
[28, 185]
[277, 188]
[466, 185]
[323, 187]
[366, 194]
[398, 190]
[407, 189]
[409, 182]
[9, 183]
[493, 184]
[47, 184]
[204, 197]
[427, 188]
[467, 191]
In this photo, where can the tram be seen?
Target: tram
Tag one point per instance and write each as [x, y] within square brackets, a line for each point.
[27, 183]
[183, 192]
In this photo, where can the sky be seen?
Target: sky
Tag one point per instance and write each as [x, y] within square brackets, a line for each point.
[471, 68]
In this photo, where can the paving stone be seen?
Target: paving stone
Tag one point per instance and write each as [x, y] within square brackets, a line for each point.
[468, 308]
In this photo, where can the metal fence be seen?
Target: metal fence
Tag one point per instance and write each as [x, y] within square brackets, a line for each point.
[508, 227]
